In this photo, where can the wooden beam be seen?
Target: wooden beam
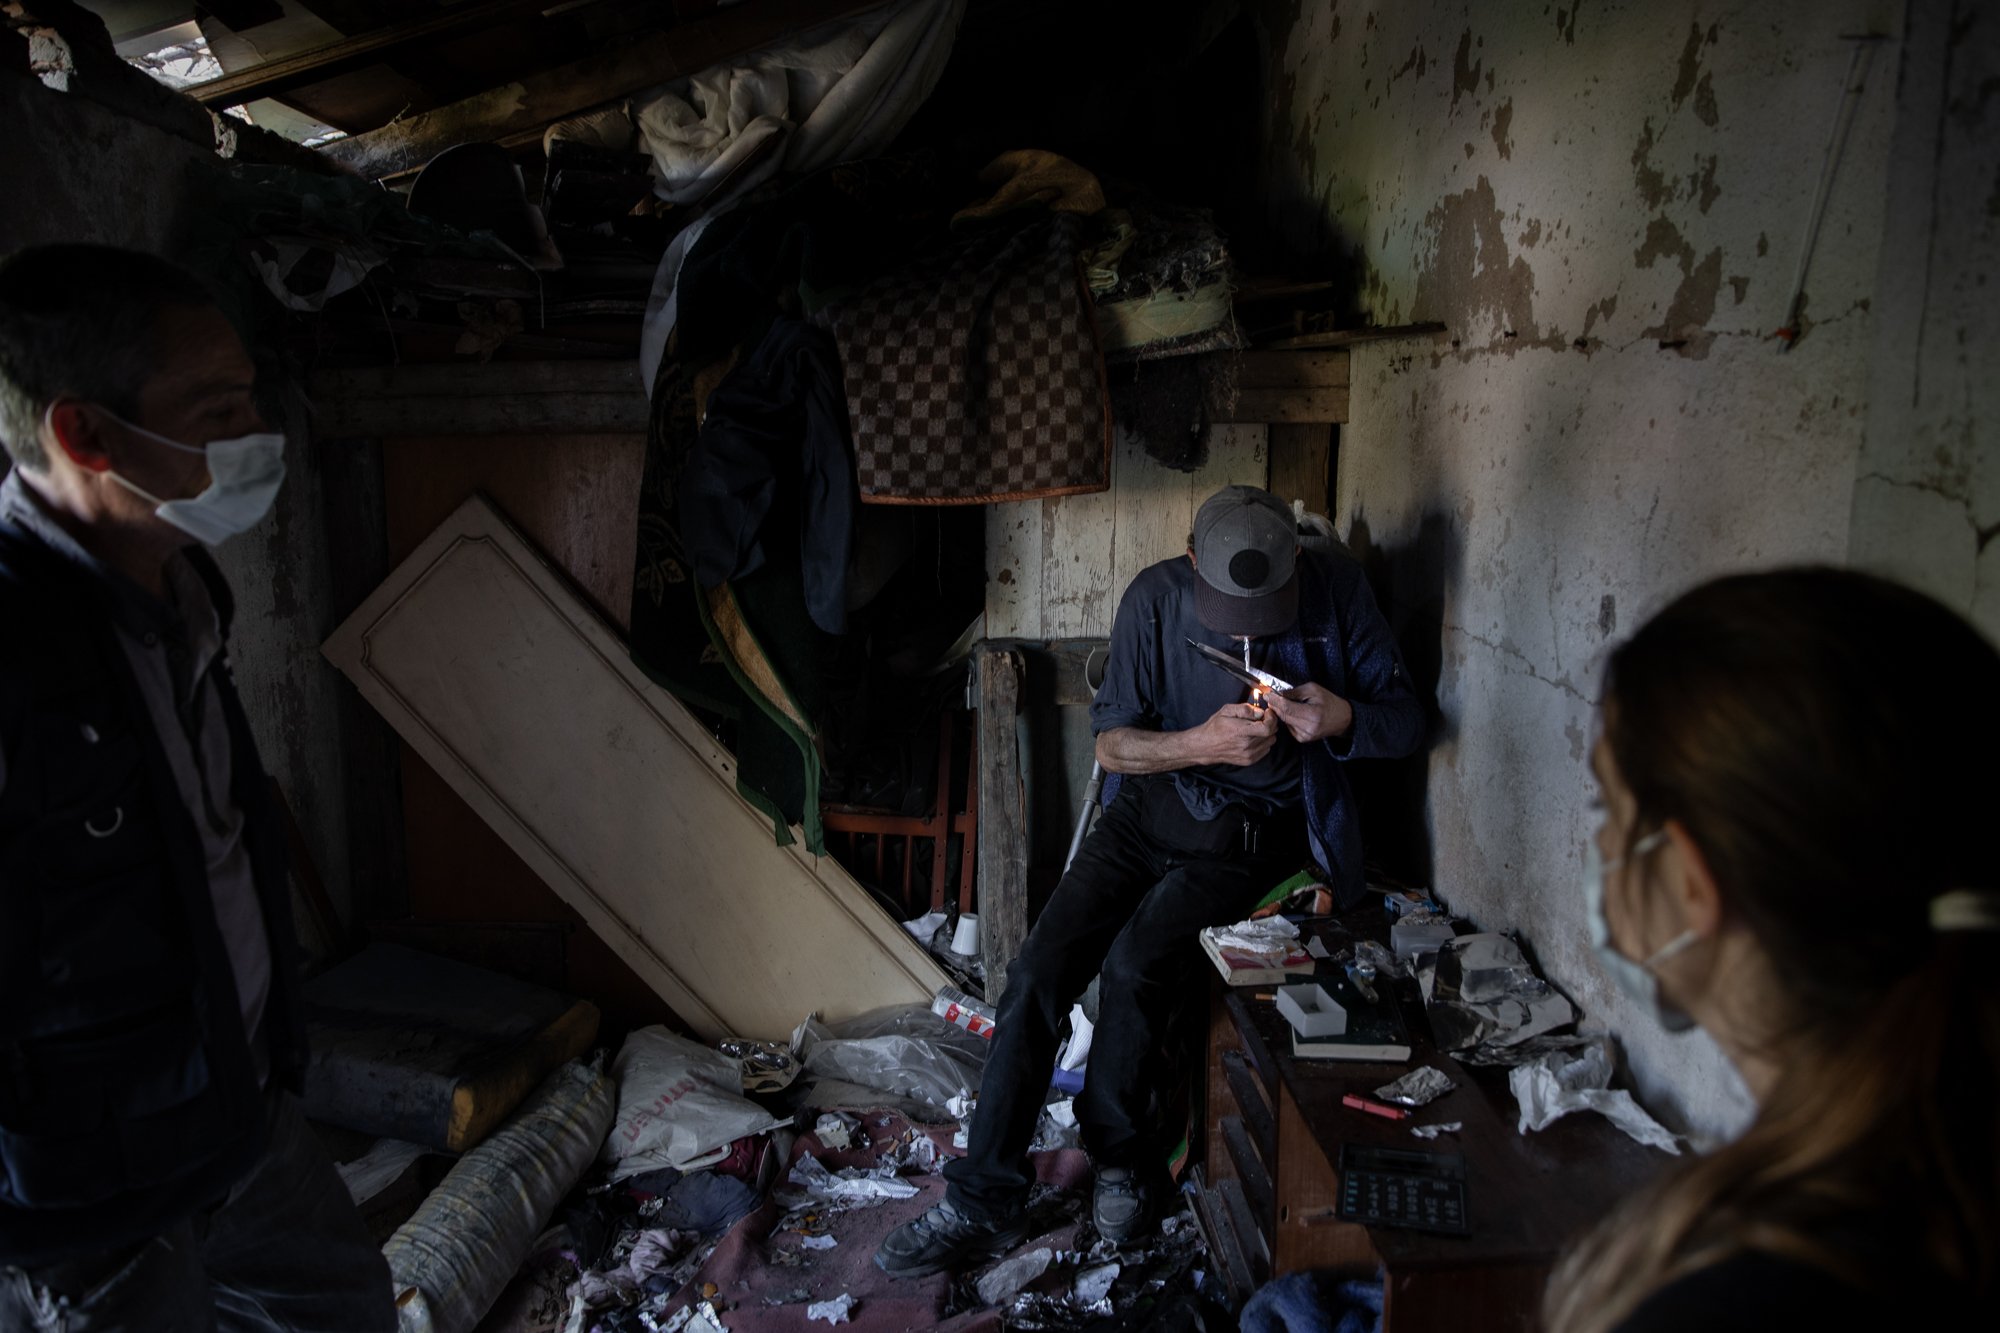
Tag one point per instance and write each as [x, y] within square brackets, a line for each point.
[1349, 337]
[1003, 820]
[543, 98]
[322, 62]
[496, 398]
[354, 515]
[70, 50]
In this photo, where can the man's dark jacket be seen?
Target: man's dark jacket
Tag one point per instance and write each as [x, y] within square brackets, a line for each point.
[128, 1093]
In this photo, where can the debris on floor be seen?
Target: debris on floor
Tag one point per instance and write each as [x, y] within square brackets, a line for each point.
[776, 1230]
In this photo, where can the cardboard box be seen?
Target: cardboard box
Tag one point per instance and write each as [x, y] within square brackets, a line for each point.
[1311, 1011]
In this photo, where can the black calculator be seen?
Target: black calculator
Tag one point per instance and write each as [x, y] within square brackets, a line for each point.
[1393, 1187]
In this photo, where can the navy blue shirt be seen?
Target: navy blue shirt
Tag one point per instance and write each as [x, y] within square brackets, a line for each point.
[1155, 682]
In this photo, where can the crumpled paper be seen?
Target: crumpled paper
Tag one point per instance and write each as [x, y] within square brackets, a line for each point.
[1094, 1284]
[850, 1186]
[1432, 1131]
[1004, 1281]
[834, 1311]
[1485, 993]
[1559, 1082]
[653, 1252]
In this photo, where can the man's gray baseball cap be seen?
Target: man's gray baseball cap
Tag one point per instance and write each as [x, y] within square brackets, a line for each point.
[1246, 555]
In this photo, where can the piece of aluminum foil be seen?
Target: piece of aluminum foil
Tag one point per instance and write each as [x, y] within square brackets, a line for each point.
[1419, 1087]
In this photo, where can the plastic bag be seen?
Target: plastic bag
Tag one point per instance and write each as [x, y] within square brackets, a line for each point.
[679, 1104]
[906, 1050]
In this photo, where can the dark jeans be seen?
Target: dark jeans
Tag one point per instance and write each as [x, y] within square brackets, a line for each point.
[1145, 882]
[285, 1249]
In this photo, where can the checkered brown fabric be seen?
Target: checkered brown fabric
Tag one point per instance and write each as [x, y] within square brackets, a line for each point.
[973, 374]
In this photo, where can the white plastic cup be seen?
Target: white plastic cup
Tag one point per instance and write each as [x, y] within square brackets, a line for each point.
[965, 938]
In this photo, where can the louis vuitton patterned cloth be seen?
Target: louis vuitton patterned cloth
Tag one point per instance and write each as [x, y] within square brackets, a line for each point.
[973, 373]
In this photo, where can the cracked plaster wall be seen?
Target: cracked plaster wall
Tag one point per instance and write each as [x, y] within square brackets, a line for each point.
[1927, 497]
[74, 171]
[1604, 203]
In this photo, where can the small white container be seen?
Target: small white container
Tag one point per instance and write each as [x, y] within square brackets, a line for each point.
[1410, 938]
[965, 936]
[1311, 1011]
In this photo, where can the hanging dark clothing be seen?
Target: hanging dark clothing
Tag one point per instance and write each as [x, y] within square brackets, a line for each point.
[773, 459]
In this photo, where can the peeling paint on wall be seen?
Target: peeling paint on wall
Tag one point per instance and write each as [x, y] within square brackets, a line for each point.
[1604, 211]
[1927, 496]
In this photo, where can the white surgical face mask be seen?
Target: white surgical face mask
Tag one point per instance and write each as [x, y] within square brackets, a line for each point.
[243, 479]
[1635, 979]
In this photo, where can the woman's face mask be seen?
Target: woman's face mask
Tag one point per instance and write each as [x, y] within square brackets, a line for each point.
[1636, 979]
[244, 474]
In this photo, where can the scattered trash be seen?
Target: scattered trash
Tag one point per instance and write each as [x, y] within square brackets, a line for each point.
[965, 936]
[818, 1243]
[1432, 1131]
[905, 1050]
[850, 1186]
[835, 1130]
[1368, 953]
[1005, 1280]
[914, 1150]
[1406, 902]
[1156, 1280]
[1419, 1087]
[768, 1066]
[926, 925]
[380, 1167]
[1056, 1127]
[1485, 993]
[1419, 933]
[1560, 1082]
[795, 1296]
[698, 1318]
[834, 1311]
[1094, 1284]
[1076, 1050]
[1521, 1052]
[955, 1006]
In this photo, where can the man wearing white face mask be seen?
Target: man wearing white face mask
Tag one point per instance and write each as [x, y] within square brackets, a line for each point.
[155, 1171]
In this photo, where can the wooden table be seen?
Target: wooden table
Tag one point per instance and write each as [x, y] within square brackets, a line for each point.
[1268, 1186]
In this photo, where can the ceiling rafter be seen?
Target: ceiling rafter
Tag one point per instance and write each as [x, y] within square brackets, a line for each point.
[526, 105]
[367, 48]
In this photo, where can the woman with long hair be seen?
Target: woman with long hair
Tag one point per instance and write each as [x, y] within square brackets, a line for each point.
[1800, 851]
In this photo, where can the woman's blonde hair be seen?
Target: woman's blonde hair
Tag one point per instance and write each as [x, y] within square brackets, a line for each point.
[1829, 741]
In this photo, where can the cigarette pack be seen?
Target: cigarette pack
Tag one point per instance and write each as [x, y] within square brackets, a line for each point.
[955, 1006]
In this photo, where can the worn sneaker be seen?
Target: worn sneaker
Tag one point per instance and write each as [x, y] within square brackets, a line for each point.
[945, 1238]
[1118, 1205]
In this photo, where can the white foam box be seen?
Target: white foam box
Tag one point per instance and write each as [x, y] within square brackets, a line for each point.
[1311, 1011]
